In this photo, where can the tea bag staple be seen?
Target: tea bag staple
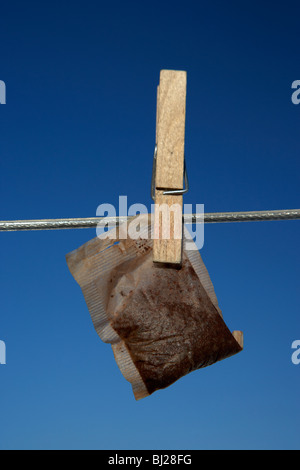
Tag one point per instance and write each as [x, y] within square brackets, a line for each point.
[161, 322]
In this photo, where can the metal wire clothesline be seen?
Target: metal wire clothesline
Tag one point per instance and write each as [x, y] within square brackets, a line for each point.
[90, 222]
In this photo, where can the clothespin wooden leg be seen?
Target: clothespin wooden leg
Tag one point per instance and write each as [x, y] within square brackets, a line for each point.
[170, 133]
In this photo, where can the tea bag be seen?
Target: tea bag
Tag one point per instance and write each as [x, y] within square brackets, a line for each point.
[162, 322]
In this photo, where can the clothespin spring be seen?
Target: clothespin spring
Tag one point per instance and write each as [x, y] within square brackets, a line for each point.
[171, 191]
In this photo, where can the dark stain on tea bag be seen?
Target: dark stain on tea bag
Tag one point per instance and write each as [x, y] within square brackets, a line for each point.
[167, 320]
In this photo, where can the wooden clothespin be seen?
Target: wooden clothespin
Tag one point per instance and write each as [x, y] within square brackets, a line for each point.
[169, 167]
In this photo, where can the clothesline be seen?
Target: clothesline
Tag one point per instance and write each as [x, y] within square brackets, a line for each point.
[91, 222]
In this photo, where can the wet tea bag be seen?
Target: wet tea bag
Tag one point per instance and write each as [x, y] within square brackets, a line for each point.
[162, 322]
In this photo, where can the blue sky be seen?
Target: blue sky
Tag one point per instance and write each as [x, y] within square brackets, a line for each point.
[77, 131]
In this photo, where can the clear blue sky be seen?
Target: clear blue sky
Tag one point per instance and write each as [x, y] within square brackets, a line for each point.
[77, 131]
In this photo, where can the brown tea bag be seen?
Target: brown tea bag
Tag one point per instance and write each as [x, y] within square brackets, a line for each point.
[162, 322]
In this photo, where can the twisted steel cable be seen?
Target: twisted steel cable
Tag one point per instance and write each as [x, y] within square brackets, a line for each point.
[91, 222]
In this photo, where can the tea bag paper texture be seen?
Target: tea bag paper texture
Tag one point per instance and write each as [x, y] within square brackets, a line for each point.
[162, 322]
